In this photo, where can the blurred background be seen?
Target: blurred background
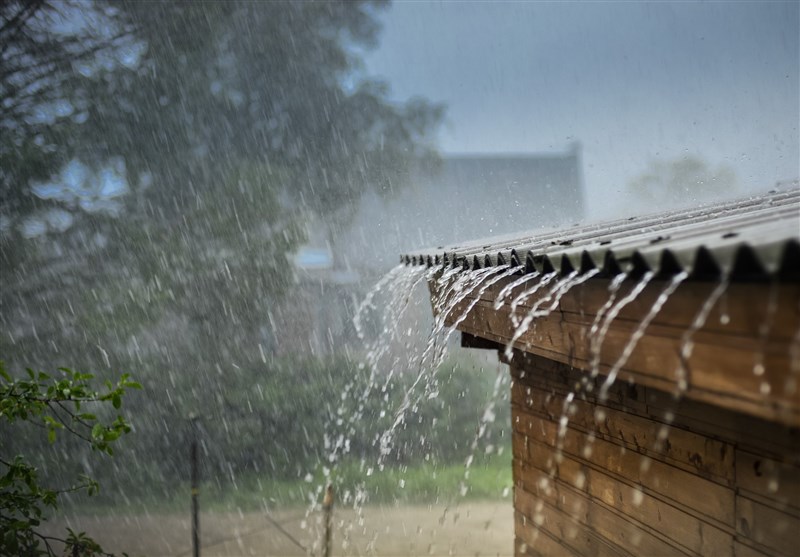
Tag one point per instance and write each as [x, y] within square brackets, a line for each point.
[202, 195]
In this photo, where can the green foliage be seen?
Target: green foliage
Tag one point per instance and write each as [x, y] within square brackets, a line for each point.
[489, 477]
[236, 123]
[55, 405]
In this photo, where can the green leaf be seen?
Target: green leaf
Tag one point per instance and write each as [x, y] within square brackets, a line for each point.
[116, 400]
[97, 431]
[51, 436]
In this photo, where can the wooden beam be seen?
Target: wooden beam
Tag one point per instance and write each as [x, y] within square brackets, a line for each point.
[480, 343]
[741, 357]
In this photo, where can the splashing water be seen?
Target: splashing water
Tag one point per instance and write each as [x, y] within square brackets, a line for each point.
[563, 289]
[638, 333]
[544, 281]
[473, 303]
[367, 304]
[682, 374]
[764, 329]
[501, 297]
[554, 296]
[465, 285]
[567, 406]
[609, 318]
[613, 289]
[341, 427]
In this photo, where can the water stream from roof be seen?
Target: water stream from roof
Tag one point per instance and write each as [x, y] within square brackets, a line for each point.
[638, 333]
[609, 317]
[764, 329]
[391, 297]
[683, 372]
[507, 289]
[525, 294]
[455, 294]
[464, 285]
[554, 297]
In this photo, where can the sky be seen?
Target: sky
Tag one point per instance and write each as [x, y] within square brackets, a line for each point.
[633, 82]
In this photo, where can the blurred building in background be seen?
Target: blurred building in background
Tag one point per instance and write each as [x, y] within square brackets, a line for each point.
[466, 196]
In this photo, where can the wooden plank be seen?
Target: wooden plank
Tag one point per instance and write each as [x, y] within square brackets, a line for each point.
[743, 317]
[719, 374]
[537, 541]
[656, 354]
[670, 483]
[766, 526]
[542, 516]
[722, 363]
[610, 526]
[745, 431]
[707, 457]
[640, 507]
[772, 482]
[743, 550]
[535, 371]
[519, 446]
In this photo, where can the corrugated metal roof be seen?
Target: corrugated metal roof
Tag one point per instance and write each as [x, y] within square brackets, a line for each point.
[748, 238]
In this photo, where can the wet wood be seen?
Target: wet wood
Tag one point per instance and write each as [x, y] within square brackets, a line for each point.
[681, 456]
[611, 484]
[774, 530]
[548, 520]
[741, 357]
[770, 481]
[695, 453]
[538, 542]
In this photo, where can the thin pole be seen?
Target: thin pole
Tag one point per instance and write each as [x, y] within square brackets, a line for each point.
[195, 494]
[327, 509]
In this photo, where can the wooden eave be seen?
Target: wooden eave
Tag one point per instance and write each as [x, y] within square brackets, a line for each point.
[751, 244]
[725, 351]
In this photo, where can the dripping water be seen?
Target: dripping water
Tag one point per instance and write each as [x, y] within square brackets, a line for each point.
[554, 296]
[682, 373]
[609, 317]
[465, 285]
[638, 333]
[764, 328]
[544, 281]
[507, 289]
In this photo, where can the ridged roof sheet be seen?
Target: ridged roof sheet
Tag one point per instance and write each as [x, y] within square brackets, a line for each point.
[748, 239]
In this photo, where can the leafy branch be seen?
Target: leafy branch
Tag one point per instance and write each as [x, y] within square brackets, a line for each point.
[56, 404]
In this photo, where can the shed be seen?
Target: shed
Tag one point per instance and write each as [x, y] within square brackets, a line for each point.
[655, 364]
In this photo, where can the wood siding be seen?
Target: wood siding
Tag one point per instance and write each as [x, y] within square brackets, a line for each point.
[644, 474]
[748, 324]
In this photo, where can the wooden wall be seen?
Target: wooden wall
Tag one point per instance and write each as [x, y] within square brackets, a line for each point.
[643, 474]
[720, 370]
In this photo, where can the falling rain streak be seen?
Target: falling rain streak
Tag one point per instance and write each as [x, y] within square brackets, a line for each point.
[456, 293]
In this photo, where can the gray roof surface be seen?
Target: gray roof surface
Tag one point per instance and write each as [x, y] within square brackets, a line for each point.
[748, 238]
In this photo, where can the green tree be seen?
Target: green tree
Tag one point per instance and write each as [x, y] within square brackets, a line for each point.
[229, 125]
[55, 405]
[46, 49]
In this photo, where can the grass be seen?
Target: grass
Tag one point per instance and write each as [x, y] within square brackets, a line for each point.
[488, 478]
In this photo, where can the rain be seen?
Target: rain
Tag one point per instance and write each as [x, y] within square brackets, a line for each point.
[399, 278]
